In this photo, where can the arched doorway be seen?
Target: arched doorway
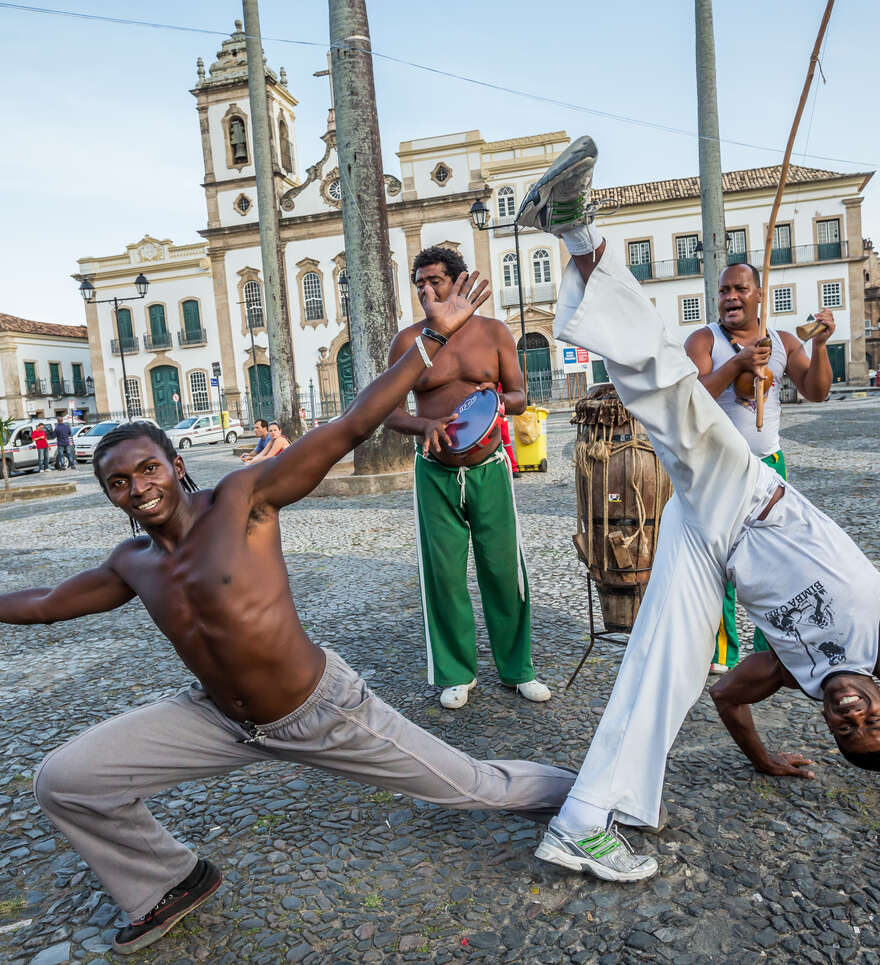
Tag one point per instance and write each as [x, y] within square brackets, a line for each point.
[345, 375]
[537, 366]
[260, 379]
[165, 385]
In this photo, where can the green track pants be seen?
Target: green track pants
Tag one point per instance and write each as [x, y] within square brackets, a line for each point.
[727, 638]
[452, 506]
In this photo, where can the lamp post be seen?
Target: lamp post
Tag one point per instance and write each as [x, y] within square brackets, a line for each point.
[344, 293]
[87, 290]
[480, 217]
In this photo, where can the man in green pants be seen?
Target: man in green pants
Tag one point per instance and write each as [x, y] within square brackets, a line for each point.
[722, 351]
[463, 498]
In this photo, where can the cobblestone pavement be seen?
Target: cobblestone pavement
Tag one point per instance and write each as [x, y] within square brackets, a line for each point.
[318, 870]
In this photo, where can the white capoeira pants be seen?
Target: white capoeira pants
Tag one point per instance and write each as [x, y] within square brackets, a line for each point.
[719, 486]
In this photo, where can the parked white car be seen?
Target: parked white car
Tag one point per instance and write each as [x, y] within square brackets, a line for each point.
[200, 430]
[84, 442]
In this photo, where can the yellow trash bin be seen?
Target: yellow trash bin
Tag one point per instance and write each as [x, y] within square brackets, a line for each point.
[530, 436]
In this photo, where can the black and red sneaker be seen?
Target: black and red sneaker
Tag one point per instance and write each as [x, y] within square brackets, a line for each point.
[197, 887]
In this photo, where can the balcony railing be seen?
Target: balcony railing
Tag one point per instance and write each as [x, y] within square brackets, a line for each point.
[59, 387]
[687, 267]
[532, 294]
[129, 345]
[191, 336]
[155, 343]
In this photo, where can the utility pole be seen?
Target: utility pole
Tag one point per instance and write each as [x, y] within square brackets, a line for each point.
[711, 196]
[286, 409]
[364, 220]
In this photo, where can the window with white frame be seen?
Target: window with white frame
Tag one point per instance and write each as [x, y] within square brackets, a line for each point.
[783, 299]
[686, 246]
[782, 237]
[510, 270]
[736, 241]
[831, 294]
[312, 296]
[828, 232]
[506, 202]
[198, 392]
[253, 304]
[639, 252]
[133, 397]
[691, 308]
[541, 266]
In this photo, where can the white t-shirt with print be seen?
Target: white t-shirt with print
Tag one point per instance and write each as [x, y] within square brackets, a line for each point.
[810, 589]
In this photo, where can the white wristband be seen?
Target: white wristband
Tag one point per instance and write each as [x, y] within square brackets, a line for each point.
[420, 345]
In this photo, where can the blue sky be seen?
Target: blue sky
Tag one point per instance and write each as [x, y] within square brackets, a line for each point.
[102, 144]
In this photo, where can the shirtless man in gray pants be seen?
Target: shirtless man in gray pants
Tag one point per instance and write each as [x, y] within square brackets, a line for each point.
[210, 571]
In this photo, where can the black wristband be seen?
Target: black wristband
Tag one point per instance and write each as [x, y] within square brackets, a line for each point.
[430, 333]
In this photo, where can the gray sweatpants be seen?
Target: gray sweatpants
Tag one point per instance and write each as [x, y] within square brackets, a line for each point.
[92, 788]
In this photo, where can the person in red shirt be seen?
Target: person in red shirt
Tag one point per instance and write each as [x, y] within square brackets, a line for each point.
[42, 444]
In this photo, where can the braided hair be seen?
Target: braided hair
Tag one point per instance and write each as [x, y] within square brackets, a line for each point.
[137, 430]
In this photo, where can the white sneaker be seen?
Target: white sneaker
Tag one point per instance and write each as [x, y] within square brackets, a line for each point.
[560, 200]
[718, 668]
[604, 853]
[534, 690]
[454, 697]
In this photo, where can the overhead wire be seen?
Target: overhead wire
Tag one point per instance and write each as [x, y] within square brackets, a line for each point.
[488, 85]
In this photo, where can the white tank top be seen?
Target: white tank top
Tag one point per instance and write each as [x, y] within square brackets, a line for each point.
[742, 413]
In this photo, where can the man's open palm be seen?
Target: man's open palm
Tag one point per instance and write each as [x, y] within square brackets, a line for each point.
[449, 315]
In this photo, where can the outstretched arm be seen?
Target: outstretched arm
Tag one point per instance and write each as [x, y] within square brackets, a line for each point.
[92, 591]
[300, 468]
[756, 678]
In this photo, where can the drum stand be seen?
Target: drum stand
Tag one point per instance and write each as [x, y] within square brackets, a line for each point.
[595, 634]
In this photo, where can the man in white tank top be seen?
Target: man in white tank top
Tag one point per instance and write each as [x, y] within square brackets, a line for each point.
[722, 351]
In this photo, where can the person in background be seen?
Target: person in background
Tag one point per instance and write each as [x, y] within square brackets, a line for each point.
[722, 351]
[508, 448]
[277, 443]
[261, 429]
[38, 437]
[64, 443]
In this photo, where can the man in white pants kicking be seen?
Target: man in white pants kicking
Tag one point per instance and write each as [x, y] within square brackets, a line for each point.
[801, 579]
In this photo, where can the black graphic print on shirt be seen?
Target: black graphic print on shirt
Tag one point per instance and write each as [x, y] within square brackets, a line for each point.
[810, 608]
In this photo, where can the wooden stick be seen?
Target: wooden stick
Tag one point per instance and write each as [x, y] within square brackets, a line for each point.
[771, 224]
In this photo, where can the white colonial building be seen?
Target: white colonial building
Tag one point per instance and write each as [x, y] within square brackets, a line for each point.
[45, 370]
[204, 303]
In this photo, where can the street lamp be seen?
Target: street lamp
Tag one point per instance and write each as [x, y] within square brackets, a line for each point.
[87, 290]
[344, 293]
[480, 217]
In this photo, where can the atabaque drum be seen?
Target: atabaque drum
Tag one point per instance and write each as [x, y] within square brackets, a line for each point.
[621, 492]
[478, 415]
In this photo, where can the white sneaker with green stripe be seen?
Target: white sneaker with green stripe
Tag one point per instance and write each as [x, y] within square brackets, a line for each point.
[604, 852]
[560, 200]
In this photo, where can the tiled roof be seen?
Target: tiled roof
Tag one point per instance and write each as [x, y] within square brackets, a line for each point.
[750, 179]
[12, 323]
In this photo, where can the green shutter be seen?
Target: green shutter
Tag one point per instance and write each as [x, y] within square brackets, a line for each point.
[30, 373]
[191, 322]
[157, 322]
[124, 323]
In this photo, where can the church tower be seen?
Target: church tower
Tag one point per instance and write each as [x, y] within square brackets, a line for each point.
[227, 134]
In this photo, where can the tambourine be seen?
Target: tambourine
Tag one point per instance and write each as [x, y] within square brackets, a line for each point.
[477, 417]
